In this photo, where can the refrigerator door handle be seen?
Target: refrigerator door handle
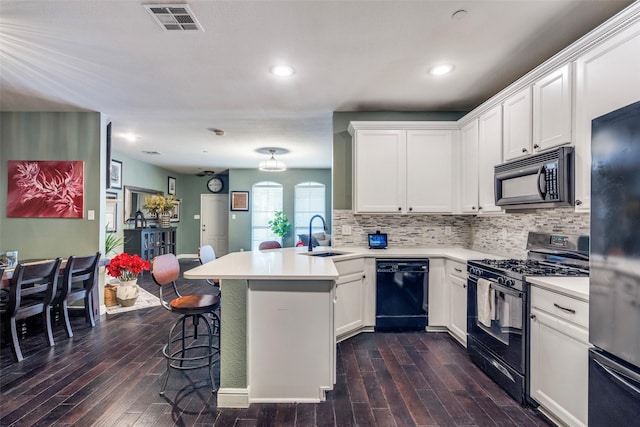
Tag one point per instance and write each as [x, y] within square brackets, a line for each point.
[618, 377]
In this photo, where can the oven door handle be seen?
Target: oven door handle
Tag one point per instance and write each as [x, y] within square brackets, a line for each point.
[506, 290]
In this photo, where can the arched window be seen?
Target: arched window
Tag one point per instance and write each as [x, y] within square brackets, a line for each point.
[309, 201]
[266, 198]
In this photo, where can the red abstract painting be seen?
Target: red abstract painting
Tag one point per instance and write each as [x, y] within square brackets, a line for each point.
[45, 189]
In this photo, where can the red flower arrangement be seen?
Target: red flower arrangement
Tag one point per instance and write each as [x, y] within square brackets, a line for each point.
[126, 267]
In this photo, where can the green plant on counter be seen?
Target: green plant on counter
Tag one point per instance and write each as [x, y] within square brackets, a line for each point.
[111, 242]
[280, 224]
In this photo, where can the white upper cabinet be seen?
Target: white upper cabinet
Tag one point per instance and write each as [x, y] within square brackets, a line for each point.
[430, 171]
[607, 78]
[517, 125]
[379, 170]
[469, 168]
[552, 109]
[403, 170]
[489, 155]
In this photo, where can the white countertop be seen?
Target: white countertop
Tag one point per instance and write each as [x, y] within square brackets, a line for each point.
[296, 264]
[575, 287]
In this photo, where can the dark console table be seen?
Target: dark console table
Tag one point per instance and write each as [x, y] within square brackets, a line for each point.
[150, 242]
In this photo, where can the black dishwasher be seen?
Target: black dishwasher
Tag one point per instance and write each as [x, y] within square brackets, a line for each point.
[402, 294]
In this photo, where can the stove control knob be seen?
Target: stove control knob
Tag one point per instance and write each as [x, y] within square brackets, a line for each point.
[501, 280]
[510, 282]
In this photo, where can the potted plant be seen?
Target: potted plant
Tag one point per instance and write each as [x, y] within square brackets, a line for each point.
[126, 269]
[160, 206]
[280, 224]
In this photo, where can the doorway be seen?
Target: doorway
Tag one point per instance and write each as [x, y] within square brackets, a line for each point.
[214, 222]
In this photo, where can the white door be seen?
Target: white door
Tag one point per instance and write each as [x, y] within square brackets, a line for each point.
[214, 222]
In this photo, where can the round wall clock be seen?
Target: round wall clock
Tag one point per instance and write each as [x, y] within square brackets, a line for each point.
[215, 185]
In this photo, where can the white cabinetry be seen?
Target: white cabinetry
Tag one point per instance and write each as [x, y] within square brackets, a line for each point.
[404, 168]
[469, 167]
[552, 109]
[607, 78]
[438, 295]
[282, 313]
[457, 282]
[517, 125]
[559, 355]
[489, 155]
[349, 297]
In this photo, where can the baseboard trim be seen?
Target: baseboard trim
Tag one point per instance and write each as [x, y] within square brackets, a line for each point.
[233, 398]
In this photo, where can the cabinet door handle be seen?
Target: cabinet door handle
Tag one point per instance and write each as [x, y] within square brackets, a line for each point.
[532, 317]
[568, 310]
[524, 150]
[410, 209]
[464, 286]
[536, 146]
[473, 208]
[578, 202]
[399, 209]
[479, 207]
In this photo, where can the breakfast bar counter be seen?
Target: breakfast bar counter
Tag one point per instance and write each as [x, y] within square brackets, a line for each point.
[277, 336]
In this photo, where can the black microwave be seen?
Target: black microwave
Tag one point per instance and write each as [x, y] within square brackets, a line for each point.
[543, 180]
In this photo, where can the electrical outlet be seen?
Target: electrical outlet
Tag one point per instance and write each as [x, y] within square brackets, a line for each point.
[504, 234]
[196, 217]
[447, 230]
[91, 215]
[346, 230]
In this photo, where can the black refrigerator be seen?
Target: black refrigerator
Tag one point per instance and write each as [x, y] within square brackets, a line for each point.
[614, 274]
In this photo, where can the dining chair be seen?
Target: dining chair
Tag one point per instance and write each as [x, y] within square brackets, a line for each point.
[269, 244]
[31, 291]
[79, 278]
[185, 350]
[207, 254]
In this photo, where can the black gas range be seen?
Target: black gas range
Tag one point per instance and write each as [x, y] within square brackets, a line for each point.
[498, 308]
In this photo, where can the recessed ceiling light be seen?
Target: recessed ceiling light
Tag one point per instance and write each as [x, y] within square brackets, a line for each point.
[282, 70]
[440, 70]
[128, 136]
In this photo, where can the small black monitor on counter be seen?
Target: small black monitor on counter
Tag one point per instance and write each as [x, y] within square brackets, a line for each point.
[377, 241]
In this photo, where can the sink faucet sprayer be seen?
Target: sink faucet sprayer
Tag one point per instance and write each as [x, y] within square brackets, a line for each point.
[324, 225]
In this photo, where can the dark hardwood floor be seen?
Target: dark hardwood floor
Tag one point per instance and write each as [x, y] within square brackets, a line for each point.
[110, 376]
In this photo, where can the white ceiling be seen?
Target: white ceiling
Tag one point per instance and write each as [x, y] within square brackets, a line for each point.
[349, 55]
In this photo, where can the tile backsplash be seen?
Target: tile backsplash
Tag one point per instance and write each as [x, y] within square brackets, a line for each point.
[504, 234]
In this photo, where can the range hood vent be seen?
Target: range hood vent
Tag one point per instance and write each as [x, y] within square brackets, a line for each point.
[174, 17]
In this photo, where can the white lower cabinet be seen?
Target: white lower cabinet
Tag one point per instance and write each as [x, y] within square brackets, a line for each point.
[457, 284]
[559, 362]
[438, 295]
[349, 298]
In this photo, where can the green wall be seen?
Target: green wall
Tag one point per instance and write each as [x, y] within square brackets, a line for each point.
[342, 167]
[54, 136]
[188, 190]
[243, 179]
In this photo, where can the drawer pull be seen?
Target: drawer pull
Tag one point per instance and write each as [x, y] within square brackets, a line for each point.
[568, 310]
[458, 270]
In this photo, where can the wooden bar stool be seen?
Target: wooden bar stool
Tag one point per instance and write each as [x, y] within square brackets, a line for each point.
[186, 350]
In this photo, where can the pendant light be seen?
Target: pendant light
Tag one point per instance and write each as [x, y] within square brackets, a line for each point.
[272, 165]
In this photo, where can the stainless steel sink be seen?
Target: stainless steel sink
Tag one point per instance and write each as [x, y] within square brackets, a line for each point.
[326, 254]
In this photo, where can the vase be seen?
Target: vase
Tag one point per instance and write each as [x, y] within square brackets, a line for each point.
[164, 219]
[127, 292]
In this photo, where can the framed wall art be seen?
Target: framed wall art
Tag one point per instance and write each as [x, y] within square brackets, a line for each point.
[45, 189]
[116, 174]
[171, 186]
[239, 200]
[175, 213]
[111, 212]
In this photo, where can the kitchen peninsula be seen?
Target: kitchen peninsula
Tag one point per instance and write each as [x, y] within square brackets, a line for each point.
[278, 339]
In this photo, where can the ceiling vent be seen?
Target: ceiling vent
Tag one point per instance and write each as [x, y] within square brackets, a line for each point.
[174, 17]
